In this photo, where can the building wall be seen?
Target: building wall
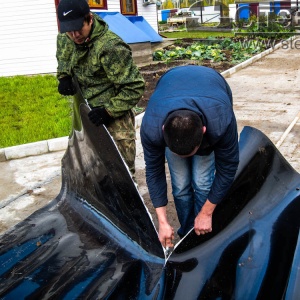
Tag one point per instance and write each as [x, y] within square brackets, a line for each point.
[28, 37]
[29, 30]
[149, 12]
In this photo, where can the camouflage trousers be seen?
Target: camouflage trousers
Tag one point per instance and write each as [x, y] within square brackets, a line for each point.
[123, 132]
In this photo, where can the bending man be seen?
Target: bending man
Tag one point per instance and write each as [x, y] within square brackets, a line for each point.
[190, 121]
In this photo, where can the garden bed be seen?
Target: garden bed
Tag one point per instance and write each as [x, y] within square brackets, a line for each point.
[222, 62]
[228, 53]
[153, 72]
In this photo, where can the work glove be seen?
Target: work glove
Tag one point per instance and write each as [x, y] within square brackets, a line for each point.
[65, 86]
[99, 116]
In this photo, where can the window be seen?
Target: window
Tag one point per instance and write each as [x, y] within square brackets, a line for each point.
[128, 7]
[92, 3]
[98, 4]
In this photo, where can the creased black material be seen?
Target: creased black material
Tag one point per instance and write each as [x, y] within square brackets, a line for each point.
[96, 240]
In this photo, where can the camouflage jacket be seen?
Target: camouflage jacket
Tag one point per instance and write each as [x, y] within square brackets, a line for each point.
[104, 68]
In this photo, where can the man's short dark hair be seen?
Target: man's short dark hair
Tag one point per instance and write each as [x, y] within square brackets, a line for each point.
[183, 131]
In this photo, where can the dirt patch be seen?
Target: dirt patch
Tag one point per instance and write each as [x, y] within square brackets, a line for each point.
[154, 71]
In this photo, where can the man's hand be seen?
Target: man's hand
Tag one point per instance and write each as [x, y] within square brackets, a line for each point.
[166, 235]
[66, 87]
[99, 116]
[203, 221]
[165, 231]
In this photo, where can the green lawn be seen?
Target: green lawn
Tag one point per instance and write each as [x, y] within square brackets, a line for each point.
[32, 110]
[196, 34]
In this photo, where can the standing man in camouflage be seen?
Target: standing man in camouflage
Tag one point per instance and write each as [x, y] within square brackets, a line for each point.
[106, 73]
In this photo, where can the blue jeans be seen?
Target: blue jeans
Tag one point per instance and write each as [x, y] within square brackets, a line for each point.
[191, 179]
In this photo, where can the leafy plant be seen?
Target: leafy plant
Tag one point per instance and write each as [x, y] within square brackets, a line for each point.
[226, 49]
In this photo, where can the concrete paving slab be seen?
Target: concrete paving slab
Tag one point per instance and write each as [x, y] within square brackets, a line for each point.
[26, 150]
[28, 184]
[266, 96]
[58, 144]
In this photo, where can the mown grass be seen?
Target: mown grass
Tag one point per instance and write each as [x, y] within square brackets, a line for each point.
[32, 110]
[196, 34]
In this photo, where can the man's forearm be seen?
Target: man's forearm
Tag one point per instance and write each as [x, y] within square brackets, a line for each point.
[161, 213]
[165, 231]
[208, 208]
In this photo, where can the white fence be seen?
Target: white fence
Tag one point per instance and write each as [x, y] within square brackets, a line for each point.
[207, 14]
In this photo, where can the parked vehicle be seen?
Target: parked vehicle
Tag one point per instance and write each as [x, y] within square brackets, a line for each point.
[185, 12]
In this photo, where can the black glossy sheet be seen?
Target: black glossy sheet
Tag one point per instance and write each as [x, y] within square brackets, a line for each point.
[96, 240]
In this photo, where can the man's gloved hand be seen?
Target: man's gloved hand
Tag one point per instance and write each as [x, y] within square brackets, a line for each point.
[99, 116]
[65, 86]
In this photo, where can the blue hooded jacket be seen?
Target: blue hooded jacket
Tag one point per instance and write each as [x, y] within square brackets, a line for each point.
[204, 91]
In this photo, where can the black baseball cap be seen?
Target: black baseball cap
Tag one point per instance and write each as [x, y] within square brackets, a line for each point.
[71, 14]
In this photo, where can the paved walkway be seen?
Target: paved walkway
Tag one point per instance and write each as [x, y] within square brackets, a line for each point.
[266, 96]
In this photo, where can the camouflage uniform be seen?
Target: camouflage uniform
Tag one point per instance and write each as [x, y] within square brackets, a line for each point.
[108, 78]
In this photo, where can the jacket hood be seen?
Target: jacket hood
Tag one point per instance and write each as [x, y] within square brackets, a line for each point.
[99, 27]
